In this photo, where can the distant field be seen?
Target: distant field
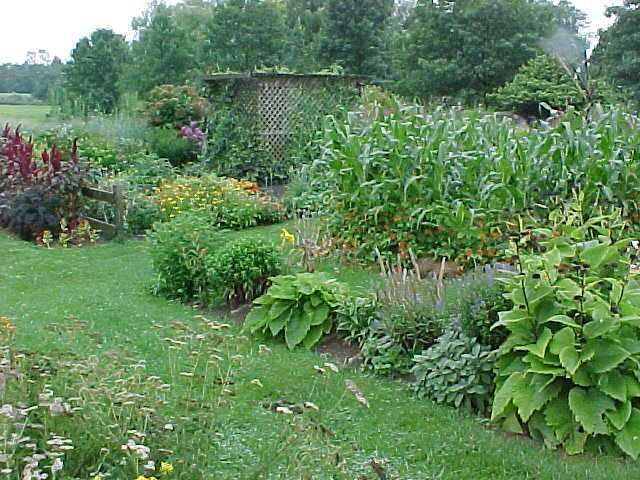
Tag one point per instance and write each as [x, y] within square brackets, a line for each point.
[18, 99]
[30, 116]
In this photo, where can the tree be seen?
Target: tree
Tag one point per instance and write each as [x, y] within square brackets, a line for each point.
[243, 35]
[163, 52]
[617, 56]
[95, 69]
[306, 20]
[468, 48]
[355, 34]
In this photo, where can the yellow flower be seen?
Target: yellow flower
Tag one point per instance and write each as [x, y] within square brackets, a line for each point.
[287, 236]
[166, 468]
[97, 477]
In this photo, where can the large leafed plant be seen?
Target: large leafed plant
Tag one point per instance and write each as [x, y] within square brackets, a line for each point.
[568, 372]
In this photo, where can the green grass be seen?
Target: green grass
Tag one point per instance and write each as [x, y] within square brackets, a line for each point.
[30, 116]
[92, 307]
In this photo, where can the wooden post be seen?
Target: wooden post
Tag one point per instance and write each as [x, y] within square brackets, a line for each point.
[118, 202]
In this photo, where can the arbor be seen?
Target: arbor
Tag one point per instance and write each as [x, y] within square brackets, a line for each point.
[468, 48]
[95, 69]
[355, 34]
[243, 35]
[617, 56]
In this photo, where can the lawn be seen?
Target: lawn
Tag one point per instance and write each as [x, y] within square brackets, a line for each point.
[93, 307]
[30, 116]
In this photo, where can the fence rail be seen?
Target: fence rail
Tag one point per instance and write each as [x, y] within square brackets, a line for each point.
[114, 197]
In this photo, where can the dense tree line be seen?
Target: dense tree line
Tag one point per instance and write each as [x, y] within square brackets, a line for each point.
[36, 79]
[429, 49]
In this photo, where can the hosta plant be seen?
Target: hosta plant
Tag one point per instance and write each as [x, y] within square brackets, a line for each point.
[569, 371]
[301, 307]
[457, 371]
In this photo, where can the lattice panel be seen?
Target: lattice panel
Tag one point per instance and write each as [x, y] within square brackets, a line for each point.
[278, 104]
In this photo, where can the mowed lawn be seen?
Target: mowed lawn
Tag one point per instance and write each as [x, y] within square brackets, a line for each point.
[29, 116]
[97, 301]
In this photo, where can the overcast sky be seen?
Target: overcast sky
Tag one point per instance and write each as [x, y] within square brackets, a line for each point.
[56, 25]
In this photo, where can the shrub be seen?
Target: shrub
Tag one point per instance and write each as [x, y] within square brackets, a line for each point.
[299, 307]
[241, 271]
[167, 143]
[541, 81]
[179, 251]
[148, 169]
[174, 106]
[142, 213]
[457, 371]
[32, 212]
[569, 370]
[227, 202]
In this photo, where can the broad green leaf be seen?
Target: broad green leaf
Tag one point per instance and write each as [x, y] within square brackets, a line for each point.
[598, 328]
[588, 406]
[570, 359]
[582, 377]
[607, 355]
[628, 439]
[257, 318]
[559, 417]
[296, 329]
[614, 385]
[276, 326]
[320, 314]
[540, 347]
[567, 289]
[533, 393]
[633, 320]
[596, 254]
[574, 445]
[633, 386]
[540, 430]
[620, 416]
[283, 292]
[508, 319]
[562, 319]
[563, 338]
[504, 394]
[313, 337]
[278, 308]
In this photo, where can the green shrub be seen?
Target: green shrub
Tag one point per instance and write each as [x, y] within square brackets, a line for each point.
[299, 307]
[174, 106]
[148, 169]
[240, 272]
[142, 213]
[569, 370]
[180, 250]
[167, 143]
[541, 81]
[457, 371]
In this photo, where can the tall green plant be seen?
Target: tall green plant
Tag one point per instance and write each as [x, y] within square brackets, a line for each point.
[569, 371]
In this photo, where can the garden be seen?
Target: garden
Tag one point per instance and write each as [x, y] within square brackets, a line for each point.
[438, 291]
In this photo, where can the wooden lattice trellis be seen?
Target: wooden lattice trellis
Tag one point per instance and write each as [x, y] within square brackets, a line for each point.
[276, 103]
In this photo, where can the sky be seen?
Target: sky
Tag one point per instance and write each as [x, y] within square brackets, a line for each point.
[57, 25]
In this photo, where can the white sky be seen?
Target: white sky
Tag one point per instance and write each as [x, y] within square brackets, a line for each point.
[56, 25]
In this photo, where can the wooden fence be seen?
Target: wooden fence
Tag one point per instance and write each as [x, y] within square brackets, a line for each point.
[114, 197]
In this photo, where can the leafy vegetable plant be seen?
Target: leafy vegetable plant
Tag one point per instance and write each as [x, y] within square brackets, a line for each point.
[301, 307]
[569, 371]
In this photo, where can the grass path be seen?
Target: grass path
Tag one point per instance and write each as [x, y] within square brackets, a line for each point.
[98, 300]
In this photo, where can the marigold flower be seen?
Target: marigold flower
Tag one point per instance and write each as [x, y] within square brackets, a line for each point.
[166, 468]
